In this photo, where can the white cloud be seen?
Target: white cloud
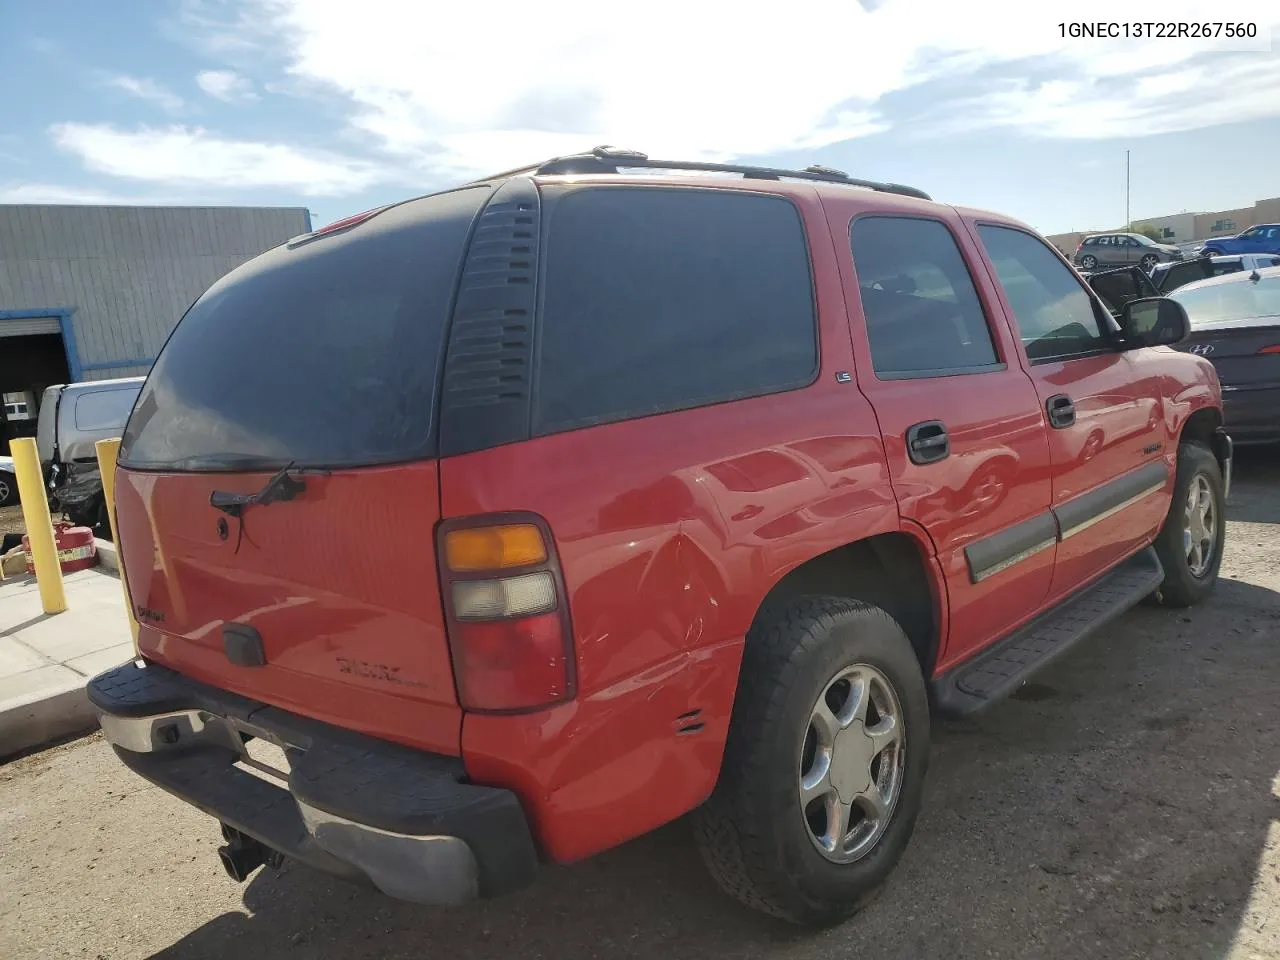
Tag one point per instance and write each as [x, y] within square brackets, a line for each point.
[185, 156]
[426, 84]
[225, 85]
[61, 193]
[430, 95]
[146, 89]
[1190, 97]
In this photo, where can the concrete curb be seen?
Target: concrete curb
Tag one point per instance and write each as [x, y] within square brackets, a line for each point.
[45, 717]
[107, 556]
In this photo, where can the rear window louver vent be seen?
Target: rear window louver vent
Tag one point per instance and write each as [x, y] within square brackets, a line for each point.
[485, 397]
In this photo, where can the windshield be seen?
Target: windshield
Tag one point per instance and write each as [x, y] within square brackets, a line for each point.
[1231, 301]
[1144, 241]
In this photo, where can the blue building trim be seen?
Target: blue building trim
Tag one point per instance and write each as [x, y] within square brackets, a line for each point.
[65, 326]
[119, 364]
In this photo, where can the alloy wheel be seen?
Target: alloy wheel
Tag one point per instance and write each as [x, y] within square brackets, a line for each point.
[1200, 526]
[852, 763]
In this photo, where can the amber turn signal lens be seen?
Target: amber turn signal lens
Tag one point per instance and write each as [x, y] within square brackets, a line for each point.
[494, 548]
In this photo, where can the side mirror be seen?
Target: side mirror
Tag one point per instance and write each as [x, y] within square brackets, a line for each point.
[1153, 322]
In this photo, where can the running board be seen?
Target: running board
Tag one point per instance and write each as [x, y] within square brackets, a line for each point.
[1000, 669]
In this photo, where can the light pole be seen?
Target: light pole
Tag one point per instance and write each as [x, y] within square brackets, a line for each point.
[1127, 221]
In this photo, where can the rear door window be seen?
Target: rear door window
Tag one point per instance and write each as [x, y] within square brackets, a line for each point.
[659, 299]
[326, 353]
[922, 311]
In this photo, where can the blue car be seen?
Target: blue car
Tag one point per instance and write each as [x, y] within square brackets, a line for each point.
[1264, 238]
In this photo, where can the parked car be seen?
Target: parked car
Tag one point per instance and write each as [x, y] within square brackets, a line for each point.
[1235, 324]
[1122, 249]
[8, 482]
[73, 418]
[796, 457]
[1264, 238]
[1168, 277]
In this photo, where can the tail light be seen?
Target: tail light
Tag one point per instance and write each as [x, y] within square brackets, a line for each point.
[1274, 348]
[506, 613]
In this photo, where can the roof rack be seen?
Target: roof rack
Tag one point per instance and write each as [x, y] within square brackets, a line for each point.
[613, 159]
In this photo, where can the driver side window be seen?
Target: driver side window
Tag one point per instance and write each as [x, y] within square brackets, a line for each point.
[1056, 317]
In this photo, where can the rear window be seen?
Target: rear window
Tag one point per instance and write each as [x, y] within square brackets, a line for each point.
[660, 299]
[104, 409]
[326, 354]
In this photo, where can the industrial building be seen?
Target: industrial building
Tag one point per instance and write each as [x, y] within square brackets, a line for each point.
[90, 293]
[1185, 229]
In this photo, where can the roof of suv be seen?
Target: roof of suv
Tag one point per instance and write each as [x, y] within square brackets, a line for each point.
[614, 165]
[609, 164]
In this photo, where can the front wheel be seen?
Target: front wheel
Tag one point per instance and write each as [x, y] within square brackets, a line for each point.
[1149, 261]
[8, 489]
[824, 768]
[1190, 542]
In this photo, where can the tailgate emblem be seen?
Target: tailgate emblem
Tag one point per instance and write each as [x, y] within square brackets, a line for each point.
[1202, 349]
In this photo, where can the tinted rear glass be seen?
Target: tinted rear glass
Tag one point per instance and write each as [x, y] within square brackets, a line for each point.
[660, 299]
[322, 355]
[922, 311]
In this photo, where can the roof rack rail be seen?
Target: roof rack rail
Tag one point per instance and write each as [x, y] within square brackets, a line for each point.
[612, 159]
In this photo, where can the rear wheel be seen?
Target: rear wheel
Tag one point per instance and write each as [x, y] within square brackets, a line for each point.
[1088, 261]
[824, 769]
[8, 489]
[1191, 540]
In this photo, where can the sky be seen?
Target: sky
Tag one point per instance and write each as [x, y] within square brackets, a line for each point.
[341, 105]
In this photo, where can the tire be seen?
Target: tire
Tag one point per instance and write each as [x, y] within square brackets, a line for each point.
[1210, 253]
[753, 832]
[1186, 583]
[1148, 262]
[8, 489]
[1088, 262]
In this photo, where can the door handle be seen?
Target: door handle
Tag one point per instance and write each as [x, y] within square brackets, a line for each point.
[1061, 411]
[928, 442]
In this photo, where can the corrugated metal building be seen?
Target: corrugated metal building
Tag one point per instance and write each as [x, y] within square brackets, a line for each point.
[88, 293]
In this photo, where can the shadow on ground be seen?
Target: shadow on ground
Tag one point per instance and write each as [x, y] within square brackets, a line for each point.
[1254, 499]
[1119, 807]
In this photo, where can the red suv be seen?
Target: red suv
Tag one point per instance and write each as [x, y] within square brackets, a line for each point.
[525, 517]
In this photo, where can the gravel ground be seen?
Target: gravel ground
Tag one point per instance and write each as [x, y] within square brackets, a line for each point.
[1125, 805]
[11, 520]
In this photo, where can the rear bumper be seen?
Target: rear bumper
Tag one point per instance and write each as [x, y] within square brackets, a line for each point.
[404, 821]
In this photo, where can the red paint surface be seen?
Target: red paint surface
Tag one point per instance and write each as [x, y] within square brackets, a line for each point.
[670, 531]
[341, 583]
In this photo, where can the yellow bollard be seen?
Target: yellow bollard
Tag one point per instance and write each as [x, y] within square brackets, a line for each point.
[35, 513]
[108, 450]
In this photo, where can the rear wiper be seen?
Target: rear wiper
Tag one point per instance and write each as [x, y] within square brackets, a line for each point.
[281, 486]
